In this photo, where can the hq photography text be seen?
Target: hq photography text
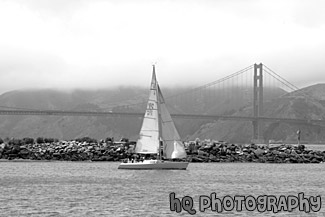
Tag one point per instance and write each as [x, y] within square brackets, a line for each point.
[262, 203]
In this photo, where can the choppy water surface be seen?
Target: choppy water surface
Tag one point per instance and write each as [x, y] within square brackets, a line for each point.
[99, 189]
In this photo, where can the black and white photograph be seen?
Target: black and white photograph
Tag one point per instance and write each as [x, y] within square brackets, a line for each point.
[162, 108]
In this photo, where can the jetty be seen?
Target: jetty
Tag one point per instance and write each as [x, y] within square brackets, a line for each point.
[197, 151]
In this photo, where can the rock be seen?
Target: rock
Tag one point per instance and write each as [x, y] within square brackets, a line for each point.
[109, 158]
[191, 147]
[3, 146]
[301, 147]
[283, 155]
[315, 160]
[213, 158]
[196, 159]
[23, 152]
[318, 158]
[275, 152]
[202, 153]
[12, 156]
[259, 152]
[287, 151]
[232, 148]
[130, 150]
[307, 156]
[15, 149]
[293, 160]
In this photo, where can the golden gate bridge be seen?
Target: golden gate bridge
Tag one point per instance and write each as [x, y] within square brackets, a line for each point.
[256, 78]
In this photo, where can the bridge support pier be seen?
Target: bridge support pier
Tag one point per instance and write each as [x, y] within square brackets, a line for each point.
[257, 101]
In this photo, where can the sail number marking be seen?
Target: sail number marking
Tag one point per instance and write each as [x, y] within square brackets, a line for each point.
[150, 109]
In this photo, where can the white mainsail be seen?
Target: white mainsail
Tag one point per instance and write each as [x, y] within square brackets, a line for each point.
[158, 124]
[148, 143]
[173, 146]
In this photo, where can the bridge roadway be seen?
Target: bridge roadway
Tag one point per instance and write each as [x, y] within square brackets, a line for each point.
[140, 115]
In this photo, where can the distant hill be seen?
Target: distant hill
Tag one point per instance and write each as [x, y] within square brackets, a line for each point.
[231, 101]
[68, 127]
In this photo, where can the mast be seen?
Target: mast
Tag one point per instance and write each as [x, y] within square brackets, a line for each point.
[159, 116]
[159, 125]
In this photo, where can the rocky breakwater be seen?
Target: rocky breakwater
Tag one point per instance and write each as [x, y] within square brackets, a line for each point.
[224, 152]
[206, 151]
[67, 151]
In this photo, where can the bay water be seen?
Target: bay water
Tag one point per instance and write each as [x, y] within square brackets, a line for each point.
[100, 189]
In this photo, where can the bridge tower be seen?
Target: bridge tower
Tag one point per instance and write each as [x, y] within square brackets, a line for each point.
[258, 100]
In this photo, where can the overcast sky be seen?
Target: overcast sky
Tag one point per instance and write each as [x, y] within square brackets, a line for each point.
[102, 43]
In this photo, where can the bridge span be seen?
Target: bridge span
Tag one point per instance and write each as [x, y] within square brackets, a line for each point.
[140, 115]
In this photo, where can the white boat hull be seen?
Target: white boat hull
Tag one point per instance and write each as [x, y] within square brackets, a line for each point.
[154, 165]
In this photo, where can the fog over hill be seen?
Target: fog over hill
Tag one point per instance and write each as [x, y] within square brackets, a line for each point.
[231, 101]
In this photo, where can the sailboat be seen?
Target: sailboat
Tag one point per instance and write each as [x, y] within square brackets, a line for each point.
[158, 135]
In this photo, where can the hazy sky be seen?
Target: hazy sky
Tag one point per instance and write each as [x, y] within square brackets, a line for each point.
[102, 43]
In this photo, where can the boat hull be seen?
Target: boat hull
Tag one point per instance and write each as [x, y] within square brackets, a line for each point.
[154, 165]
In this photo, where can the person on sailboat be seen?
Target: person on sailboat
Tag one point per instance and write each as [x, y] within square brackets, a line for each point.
[161, 148]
